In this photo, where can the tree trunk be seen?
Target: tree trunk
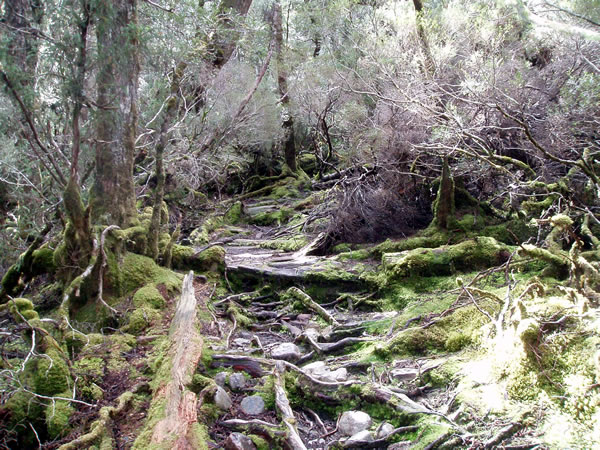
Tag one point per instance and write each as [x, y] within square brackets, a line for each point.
[21, 18]
[113, 196]
[429, 63]
[163, 140]
[289, 145]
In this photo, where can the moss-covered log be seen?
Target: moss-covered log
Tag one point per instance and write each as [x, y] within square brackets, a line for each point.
[472, 254]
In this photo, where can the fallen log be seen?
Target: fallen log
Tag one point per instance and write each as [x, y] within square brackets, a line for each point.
[178, 427]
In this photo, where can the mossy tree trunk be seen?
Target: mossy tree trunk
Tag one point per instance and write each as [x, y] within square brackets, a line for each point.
[113, 196]
[429, 63]
[163, 140]
[444, 203]
[289, 145]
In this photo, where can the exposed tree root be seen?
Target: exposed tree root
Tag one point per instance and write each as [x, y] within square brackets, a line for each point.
[102, 426]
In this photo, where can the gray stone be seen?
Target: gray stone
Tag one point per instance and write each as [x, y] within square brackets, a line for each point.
[286, 351]
[239, 441]
[220, 378]
[253, 405]
[353, 422]
[364, 435]
[222, 399]
[384, 429]
[404, 445]
[237, 381]
[242, 342]
[319, 370]
[405, 374]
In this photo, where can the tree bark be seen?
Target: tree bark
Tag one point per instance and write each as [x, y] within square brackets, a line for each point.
[429, 63]
[289, 146]
[113, 196]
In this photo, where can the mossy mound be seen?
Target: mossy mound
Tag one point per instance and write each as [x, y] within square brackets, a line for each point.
[475, 253]
[138, 270]
[58, 414]
[22, 308]
[149, 296]
[186, 258]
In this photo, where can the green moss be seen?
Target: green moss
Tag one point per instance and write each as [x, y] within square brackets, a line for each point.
[23, 407]
[186, 258]
[138, 270]
[22, 308]
[234, 214]
[199, 382]
[287, 245]
[58, 414]
[259, 442]
[43, 261]
[535, 208]
[475, 253]
[457, 340]
[278, 217]
[51, 374]
[148, 296]
[140, 319]
[201, 236]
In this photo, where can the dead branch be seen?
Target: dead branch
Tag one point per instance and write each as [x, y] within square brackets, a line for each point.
[283, 406]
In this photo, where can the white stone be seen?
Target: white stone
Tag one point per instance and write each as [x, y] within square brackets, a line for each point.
[361, 436]
[222, 399]
[405, 374]
[286, 351]
[353, 422]
[384, 429]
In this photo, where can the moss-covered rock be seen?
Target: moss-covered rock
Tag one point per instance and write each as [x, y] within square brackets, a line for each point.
[138, 270]
[186, 258]
[234, 213]
[140, 319]
[148, 296]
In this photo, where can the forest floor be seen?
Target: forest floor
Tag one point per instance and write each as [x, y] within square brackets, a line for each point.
[451, 341]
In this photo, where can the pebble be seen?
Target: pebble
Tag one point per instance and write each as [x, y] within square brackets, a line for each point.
[222, 399]
[286, 351]
[353, 422]
[253, 405]
[237, 381]
[239, 441]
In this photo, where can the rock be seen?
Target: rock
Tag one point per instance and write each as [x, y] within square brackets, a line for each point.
[340, 374]
[286, 351]
[242, 342]
[222, 399]
[384, 429]
[319, 370]
[253, 405]
[239, 441]
[237, 381]
[404, 445]
[405, 374]
[353, 422]
[361, 436]
[220, 378]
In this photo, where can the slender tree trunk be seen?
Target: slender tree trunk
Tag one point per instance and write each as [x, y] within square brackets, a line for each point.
[289, 146]
[163, 140]
[429, 62]
[22, 19]
[113, 196]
